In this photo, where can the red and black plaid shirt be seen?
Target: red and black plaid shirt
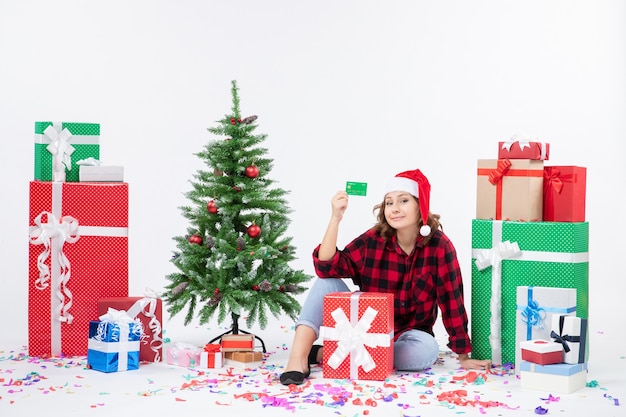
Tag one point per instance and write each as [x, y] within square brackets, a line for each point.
[428, 278]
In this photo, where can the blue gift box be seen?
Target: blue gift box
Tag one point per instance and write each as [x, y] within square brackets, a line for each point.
[113, 346]
[561, 377]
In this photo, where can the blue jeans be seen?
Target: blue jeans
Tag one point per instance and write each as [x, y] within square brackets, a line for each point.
[414, 350]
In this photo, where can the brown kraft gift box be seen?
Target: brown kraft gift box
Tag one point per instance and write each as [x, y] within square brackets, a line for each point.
[509, 189]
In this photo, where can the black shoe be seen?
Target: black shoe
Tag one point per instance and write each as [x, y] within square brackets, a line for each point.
[313, 354]
[294, 377]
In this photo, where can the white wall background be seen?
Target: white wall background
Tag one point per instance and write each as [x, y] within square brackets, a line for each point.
[345, 90]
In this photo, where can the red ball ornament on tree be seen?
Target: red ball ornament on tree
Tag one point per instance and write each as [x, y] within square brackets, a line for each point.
[254, 231]
[211, 207]
[195, 239]
[252, 171]
[255, 287]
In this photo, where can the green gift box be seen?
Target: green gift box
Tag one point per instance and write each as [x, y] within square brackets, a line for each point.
[83, 140]
[508, 254]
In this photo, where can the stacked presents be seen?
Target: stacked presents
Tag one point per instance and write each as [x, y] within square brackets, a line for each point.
[530, 267]
[78, 257]
[234, 350]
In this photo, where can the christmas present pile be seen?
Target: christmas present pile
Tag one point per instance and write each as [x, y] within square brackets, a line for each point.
[234, 350]
[530, 259]
[558, 364]
[78, 231]
[239, 351]
[357, 334]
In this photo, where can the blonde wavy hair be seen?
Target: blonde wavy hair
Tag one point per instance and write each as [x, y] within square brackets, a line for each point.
[386, 231]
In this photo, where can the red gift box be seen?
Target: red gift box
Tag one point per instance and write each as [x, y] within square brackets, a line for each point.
[78, 255]
[564, 193]
[509, 189]
[237, 342]
[517, 149]
[357, 334]
[149, 310]
[542, 352]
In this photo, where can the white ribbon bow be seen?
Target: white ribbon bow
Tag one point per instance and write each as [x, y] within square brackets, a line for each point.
[523, 140]
[91, 161]
[61, 151]
[352, 340]
[115, 315]
[53, 234]
[494, 257]
[504, 250]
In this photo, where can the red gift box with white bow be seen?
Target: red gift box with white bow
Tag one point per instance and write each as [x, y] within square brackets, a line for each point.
[357, 334]
[77, 256]
[147, 309]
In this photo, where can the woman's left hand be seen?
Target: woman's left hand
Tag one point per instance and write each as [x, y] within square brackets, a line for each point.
[468, 363]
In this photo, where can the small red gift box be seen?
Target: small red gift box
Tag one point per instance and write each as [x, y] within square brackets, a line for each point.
[519, 149]
[509, 189]
[237, 342]
[149, 310]
[542, 352]
[564, 193]
[78, 255]
[357, 334]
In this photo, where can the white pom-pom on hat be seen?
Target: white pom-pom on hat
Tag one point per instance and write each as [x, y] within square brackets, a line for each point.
[416, 184]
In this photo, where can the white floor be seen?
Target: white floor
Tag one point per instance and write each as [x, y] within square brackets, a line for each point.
[64, 387]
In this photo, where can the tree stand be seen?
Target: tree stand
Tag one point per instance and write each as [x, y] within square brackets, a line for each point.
[234, 329]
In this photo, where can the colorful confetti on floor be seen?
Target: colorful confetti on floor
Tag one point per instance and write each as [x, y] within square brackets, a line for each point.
[443, 389]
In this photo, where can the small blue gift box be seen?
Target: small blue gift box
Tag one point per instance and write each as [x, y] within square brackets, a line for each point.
[561, 377]
[113, 345]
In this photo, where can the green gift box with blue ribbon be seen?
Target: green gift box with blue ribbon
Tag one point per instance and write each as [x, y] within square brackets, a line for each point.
[60, 145]
[510, 254]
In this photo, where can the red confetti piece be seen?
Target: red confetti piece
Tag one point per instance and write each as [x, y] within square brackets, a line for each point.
[459, 398]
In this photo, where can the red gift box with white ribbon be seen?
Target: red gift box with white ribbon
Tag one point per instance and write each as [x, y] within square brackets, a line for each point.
[357, 334]
[147, 309]
[518, 148]
[542, 352]
[78, 255]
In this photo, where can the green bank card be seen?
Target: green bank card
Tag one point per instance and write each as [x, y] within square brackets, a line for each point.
[356, 188]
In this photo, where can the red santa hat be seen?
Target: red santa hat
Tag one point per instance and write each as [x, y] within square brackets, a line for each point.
[416, 184]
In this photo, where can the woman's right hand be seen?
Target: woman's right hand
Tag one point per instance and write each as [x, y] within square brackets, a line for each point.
[339, 204]
[328, 247]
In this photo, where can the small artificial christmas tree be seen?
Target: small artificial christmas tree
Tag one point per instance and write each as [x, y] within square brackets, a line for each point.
[235, 256]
